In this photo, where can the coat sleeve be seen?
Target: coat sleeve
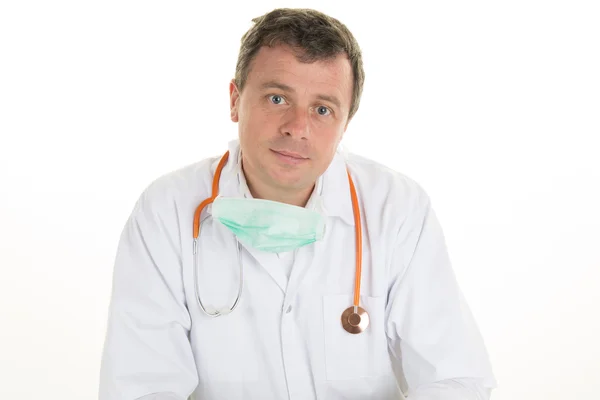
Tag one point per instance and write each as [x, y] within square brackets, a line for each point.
[437, 350]
[147, 351]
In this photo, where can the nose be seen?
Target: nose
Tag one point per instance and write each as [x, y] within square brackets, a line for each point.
[296, 123]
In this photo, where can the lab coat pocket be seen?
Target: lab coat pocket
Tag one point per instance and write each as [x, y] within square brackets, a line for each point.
[351, 356]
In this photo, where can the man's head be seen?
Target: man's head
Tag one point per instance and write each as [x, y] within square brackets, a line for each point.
[298, 82]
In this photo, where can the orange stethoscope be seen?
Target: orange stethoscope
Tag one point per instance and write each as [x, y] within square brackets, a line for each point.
[355, 319]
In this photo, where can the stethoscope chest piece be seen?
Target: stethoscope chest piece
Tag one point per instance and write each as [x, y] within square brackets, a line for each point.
[355, 319]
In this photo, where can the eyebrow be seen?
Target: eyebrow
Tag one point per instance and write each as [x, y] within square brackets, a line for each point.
[286, 88]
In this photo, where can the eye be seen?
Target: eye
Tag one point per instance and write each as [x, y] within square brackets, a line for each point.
[276, 99]
[322, 110]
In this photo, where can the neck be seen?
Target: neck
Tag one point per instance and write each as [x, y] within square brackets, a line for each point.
[296, 197]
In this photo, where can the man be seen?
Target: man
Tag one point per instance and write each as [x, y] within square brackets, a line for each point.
[294, 332]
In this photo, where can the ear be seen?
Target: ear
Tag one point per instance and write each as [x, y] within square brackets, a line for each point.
[234, 97]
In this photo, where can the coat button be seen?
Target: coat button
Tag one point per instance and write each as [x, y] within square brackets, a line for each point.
[289, 309]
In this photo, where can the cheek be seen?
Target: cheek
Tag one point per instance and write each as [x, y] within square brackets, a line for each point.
[256, 121]
[328, 141]
[328, 148]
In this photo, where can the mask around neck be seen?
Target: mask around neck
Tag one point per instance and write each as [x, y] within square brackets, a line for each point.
[268, 225]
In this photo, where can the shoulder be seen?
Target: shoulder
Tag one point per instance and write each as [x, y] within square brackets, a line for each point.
[390, 198]
[381, 183]
[177, 188]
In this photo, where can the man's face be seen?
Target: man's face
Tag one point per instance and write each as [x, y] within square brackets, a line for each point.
[291, 117]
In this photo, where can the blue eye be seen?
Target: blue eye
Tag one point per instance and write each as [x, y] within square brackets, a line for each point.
[276, 99]
[322, 110]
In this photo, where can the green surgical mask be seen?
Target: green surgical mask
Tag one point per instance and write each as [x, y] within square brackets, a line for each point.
[269, 225]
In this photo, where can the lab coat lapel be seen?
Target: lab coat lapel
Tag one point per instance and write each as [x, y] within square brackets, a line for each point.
[270, 263]
[306, 258]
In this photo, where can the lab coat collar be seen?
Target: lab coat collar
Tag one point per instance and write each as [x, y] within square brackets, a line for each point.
[336, 189]
[331, 195]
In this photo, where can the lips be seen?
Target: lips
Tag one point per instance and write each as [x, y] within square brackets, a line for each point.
[291, 154]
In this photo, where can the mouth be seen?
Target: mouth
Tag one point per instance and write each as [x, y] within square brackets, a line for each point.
[289, 157]
[290, 154]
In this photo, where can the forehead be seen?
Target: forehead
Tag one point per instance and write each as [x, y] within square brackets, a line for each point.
[281, 64]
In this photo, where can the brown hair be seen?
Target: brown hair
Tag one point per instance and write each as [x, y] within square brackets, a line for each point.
[315, 36]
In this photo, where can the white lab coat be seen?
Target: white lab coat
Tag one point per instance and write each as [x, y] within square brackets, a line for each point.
[285, 340]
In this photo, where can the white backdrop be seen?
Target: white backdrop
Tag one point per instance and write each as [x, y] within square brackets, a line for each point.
[493, 107]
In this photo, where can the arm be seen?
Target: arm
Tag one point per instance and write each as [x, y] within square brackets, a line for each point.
[437, 349]
[147, 353]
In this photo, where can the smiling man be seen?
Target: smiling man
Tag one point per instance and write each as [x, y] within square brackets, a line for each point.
[292, 116]
[285, 268]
